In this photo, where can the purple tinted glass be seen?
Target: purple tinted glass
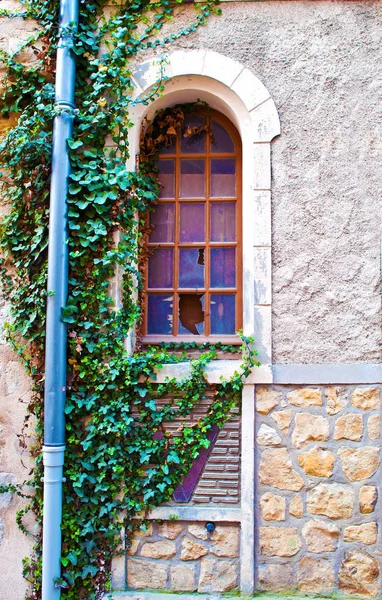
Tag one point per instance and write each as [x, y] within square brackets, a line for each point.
[222, 313]
[161, 268]
[168, 149]
[191, 314]
[192, 180]
[184, 491]
[193, 142]
[223, 221]
[192, 226]
[162, 222]
[223, 267]
[159, 313]
[223, 177]
[166, 177]
[222, 141]
[191, 268]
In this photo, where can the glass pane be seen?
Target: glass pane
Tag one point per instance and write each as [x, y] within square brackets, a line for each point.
[159, 313]
[192, 227]
[222, 313]
[191, 314]
[192, 179]
[222, 141]
[161, 268]
[191, 140]
[223, 178]
[223, 267]
[191, 267]
[166, 178]
[168, 149]
[162, 222]
[223, 221]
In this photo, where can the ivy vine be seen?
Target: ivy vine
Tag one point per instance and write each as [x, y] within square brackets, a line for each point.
[116, 470]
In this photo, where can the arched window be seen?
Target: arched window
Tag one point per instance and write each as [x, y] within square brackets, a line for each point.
[193, 279]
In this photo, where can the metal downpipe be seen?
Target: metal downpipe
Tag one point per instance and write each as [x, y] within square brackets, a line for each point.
[58, 260]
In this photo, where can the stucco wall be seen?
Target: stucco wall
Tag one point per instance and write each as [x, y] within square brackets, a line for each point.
[320, 62]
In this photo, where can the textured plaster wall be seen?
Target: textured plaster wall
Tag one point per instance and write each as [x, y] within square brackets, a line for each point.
[320, 62]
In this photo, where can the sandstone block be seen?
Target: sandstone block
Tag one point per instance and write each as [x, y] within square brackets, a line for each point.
[267, 436]
[366, 398]
[170, 530]
[276, 470]
[349, 427]
[359, 574]
[317, 462]
[309, 428]
[275, 577]
[146, 574]
[334, 500]
[305, 397]
[315, 575]
[359, 463]
[266, 400]
[320, 536]
[225, 541]
[183, 578]
[1, 530]
[198, 531]
[192, 550]
[282, 418]
[336, 399]
[365, 533]
[279, 541]
[373, 427]
[217, 576]
[134, 546]
[158, 550]
[296, 507]
[272, 507]
[368, 497]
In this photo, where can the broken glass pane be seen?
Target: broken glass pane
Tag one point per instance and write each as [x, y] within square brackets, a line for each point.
[191, 314]
[166, 177]
[223, 222]
[222, 313]
[162, 221]
[161, 268]
[222, 141]
[223, 178]
[160, 313]
[192, 179]
[223, 267]
[192, 227]
[191, 267]
[193, 144]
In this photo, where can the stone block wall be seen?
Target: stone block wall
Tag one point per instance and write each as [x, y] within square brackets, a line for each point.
[317, 495]
[182, 557]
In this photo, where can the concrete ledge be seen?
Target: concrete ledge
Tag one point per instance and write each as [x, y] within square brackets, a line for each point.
[197, 513]
[325, 374]
[215, 370]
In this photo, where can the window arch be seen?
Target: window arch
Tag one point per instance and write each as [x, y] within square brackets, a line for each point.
[193, 278]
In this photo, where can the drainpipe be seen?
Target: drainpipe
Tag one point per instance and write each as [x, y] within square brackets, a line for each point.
[55, 353]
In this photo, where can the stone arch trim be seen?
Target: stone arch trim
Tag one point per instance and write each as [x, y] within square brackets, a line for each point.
[252, 92]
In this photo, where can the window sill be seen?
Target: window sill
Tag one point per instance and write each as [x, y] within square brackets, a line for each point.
[215, 370]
